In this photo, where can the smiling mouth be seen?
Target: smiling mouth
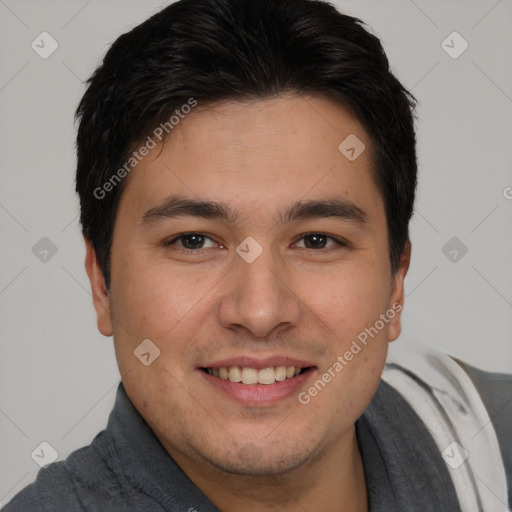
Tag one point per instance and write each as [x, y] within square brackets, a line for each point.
[252, 376]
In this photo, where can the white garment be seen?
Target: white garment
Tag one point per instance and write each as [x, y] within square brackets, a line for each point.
[444, 397]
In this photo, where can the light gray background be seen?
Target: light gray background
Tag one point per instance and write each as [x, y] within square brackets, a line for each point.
[58, 375]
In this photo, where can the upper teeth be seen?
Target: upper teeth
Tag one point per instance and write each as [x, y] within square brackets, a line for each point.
[247, 375]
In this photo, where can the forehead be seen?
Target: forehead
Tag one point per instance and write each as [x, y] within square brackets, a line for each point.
[258, 156]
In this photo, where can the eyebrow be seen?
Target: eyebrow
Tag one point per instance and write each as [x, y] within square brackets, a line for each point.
[179, 206]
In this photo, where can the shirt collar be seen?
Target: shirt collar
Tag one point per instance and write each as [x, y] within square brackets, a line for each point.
[146, 462]
[403, 467]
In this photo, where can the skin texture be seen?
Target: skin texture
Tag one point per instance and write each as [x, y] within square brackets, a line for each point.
[308, 303]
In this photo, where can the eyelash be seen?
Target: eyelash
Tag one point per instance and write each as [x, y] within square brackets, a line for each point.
[172, 242]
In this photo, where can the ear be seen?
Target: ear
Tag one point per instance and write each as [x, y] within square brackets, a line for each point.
[100, 294]
[397, 293]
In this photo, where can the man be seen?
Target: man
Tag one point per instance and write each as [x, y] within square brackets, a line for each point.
[246, 173]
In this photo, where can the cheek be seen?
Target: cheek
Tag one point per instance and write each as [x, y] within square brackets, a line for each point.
[347, 299]
[155, 298]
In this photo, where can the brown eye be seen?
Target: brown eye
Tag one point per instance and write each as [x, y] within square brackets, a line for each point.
[315, 241]
[319, 241]
[192, 241]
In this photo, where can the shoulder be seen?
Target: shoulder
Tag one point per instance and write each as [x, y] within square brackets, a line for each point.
[495, 389]
[87, 477]
[459, 402]
[444, 372]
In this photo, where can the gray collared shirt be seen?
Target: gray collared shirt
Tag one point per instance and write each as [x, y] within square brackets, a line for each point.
[127, 469]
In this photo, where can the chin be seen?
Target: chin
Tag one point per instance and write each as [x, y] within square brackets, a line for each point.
[262, 459]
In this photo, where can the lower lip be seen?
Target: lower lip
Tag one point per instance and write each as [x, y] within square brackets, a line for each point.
[259, 394]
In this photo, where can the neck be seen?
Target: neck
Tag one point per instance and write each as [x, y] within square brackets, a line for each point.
[335, 481]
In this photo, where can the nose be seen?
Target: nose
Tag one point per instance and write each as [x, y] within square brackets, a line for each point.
[259, 296]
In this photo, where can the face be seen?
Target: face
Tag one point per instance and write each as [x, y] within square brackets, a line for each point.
[285, 267]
